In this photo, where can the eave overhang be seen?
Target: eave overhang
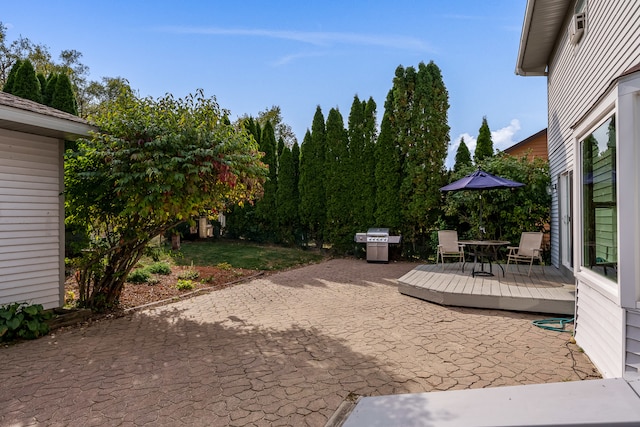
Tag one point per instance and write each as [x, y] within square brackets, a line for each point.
[543, 21]
[26, 116]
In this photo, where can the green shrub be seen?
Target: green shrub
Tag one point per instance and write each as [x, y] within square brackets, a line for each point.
[224, 266]
[189, 274]
[159, 268]
[185, 285]
[208, 279]
[21, 320]
[139, 275]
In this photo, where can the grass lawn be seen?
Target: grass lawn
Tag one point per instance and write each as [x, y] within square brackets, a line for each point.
[241, 254]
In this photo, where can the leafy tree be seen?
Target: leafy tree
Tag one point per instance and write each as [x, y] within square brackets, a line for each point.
[312, 207]
[242, 220]
[69, 63]
[338, 184]
[484, 144]
[105, 90]
[152, 165]
[11, 78]
[506, 213]
[281, 129]
[20, 49]
[62, 97]
[463, 157]
[26, 84]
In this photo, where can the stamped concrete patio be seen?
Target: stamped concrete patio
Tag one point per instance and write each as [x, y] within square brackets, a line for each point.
[284, 349]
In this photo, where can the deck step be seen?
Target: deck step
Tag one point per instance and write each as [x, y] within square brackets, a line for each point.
[546, 291]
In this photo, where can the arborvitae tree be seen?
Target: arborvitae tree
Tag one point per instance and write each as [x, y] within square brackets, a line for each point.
[338, 184]
[253, 127]
[311, 184]
[26, 84]
[266, 206]
[295, 153]
[43, 82]
[362, 133]
[420, 125]
[11, 78]
[281, 145]
[49, 88]
[287, 196]
[356, 159]
[295, 158]
[369, 164]
[63, 98]
[463, 157]
[484, 144]
[241, 220]
[388, 172]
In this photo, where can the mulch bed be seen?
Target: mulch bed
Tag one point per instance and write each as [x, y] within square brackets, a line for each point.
[165, 290]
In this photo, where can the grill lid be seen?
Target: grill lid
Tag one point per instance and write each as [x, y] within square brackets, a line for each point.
[378, 232]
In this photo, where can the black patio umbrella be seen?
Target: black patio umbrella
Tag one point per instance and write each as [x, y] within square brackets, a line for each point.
[478, 181]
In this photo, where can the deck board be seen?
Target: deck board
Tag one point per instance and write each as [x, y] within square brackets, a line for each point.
[547, 290]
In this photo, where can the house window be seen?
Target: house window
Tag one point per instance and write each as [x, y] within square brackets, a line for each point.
[600, 211]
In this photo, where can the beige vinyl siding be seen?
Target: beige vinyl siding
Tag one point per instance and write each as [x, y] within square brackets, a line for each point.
[30, 219]
[599, 335]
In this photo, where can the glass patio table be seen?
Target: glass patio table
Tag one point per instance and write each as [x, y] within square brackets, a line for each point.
[484, 252]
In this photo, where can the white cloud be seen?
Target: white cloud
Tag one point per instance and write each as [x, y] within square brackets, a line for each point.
[315, 38]
[503, 138]
[292, 57]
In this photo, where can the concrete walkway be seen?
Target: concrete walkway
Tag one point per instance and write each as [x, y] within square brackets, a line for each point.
[285, 349]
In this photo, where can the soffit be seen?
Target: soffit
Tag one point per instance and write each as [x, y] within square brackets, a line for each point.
[542, 23]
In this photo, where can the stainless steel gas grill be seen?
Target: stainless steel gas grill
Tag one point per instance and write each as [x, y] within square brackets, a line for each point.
[377, 240]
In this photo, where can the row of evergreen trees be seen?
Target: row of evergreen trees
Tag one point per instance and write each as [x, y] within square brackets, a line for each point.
[54, 90]
[345, 179]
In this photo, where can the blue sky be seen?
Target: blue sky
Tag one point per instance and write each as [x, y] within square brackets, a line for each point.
[252, 55]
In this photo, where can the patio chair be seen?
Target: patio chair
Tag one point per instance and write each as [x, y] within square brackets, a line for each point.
[448, 246]
[530, 248]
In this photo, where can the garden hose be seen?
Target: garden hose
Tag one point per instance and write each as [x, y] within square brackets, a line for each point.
[547, 324]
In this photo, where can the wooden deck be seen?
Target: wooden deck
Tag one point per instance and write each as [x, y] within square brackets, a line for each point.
[546, 291]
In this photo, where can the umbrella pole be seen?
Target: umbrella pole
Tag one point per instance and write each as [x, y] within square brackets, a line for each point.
[481, 228]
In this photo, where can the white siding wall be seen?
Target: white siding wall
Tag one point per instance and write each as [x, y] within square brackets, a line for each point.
[30, 219]
[599, 330]
[632, 362]
[578, 76]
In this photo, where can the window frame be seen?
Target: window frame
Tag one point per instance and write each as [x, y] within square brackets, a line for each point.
[610, 204]
[596, 117]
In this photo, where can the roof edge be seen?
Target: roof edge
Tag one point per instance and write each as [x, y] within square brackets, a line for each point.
[524, 38]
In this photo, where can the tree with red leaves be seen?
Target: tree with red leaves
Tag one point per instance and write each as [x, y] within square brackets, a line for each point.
[152, 165]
